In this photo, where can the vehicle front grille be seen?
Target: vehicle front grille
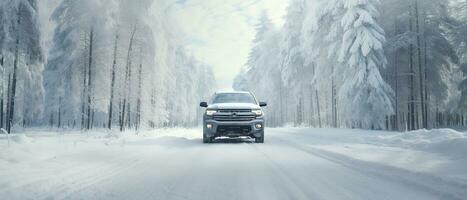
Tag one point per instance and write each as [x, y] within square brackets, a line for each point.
[233, 129]
[234, 115]
[231, 118]
[234, 111]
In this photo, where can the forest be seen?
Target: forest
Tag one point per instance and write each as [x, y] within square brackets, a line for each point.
[389, 64]
[110, 64]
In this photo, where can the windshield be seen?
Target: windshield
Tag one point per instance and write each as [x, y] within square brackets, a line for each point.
[234, 98]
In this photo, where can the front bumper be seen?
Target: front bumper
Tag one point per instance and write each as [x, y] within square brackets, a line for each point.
[233, 128]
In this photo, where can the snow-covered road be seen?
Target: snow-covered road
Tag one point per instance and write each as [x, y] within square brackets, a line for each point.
[292, 164]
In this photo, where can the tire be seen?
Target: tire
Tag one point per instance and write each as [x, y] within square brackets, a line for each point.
[206, 139]
[260, 139]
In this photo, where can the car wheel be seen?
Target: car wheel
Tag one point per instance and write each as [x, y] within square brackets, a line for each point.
[206, 139]
[260, 139]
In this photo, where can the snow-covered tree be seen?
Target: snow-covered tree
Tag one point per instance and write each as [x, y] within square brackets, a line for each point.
[349, 76]
[458, 29]
[422, 60]
[77, 57]
[263, 70]
[22, 58]
[240, 82]
[291, 56]
[367, 97]
[322, 28]
[118, 63]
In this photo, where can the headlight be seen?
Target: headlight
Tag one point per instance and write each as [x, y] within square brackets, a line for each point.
[258, 112]
[210, 112]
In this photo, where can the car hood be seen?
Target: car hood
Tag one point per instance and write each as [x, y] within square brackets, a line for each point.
[233, 106]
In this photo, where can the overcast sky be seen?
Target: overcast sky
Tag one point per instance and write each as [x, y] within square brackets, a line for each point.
[220, 32]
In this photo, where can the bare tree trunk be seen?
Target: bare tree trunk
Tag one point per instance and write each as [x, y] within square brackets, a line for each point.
[411, 113]
[318, 109]
[311, 108]
[51, 120]
[2, 114]
[328, 115]
[127, 80]
[1, 110]
[59, 112]
[438, 117]
[15, 69]
[153, 107]
[396, 80]
[138, 104]
[84, 89]
[299, 116]
[425, 75]
[83, 98]
[112, 83]
[128, 114]
[417, 118]
[334, 103]
[128, 123]
[281, 103]
[92, 118]
[420, 71]
[396, 88]
[8, 104]
[91, 41]
[121, 107]
[2, 93]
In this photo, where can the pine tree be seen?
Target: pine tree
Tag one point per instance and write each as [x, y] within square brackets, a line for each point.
[458, 30]
[368, 95]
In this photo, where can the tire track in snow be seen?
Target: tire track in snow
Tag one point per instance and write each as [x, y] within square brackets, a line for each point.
[296, 190]
[170, 191]
[314, 176]
[105, 173]
[141, 180]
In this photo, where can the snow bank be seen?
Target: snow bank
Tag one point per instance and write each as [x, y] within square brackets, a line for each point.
[16, 148]
[443, 141]
[441, 152]
[37, 145]
[21, 139]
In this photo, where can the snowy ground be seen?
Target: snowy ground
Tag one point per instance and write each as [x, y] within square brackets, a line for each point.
[292, 164]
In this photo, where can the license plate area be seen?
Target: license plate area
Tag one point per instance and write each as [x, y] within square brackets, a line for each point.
[233, 130]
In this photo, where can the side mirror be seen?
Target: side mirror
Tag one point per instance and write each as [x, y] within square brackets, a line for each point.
[203, 104]
[263, 104]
